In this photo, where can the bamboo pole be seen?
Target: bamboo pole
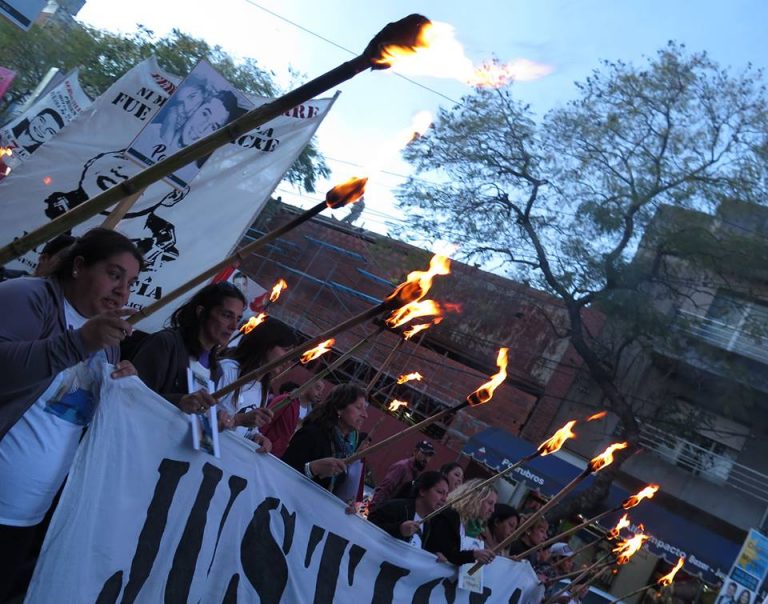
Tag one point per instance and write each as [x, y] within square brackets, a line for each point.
[404, 32]
[580, 576]
[120, 210]
[386, 362]
[566, 533]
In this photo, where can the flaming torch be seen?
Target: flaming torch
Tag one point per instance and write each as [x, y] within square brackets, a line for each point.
[405, 33]
[662, 582]
[396, 404]
[595, 465]
[502, 361]
[550, 445]
[317, 351]
[278, 288]
[408, 377]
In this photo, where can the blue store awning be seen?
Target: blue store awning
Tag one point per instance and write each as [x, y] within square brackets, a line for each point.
[672, 535]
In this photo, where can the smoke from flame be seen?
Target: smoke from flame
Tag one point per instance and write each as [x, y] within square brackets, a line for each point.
[277, 290]
[557, 439]
[407, 377]
[667, 579]
[606, 457]
[646, 493]
[317, 351]
[485, 392]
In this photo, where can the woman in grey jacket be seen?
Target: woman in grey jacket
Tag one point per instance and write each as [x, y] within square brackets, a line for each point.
[55, 333]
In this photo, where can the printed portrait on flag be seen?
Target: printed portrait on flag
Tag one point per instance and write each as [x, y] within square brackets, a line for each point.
[203, 103]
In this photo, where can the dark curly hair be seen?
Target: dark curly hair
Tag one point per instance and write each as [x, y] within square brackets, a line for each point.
[326, 414]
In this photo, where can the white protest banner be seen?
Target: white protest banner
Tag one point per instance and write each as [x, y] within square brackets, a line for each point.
[42, 121]
[145, 518]
[177, 239]
[203, 103]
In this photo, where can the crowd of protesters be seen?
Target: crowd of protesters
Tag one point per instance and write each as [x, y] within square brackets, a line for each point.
[59, 328]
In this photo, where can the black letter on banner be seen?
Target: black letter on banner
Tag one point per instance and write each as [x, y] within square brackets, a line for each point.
[422, 594]
[328, 574]
[236, 486]
[289, 527]
[515, 597]
[384, 589]
[111, 589]
[230, 597]
[356, 554]
[154, 525]
[188, 549]
[450, 591]
[262, 559]
[315, 536]
[476, 598]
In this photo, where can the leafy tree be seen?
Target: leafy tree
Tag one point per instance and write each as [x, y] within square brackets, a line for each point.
[562, 202]
[103, 57]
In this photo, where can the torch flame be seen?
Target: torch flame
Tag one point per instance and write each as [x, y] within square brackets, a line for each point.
[395, 405]
[412, 311]
[597, 416]
[47, 180]
[407, 377]
[438, 53]
[623, 523]
[606, 457]
[646, 493]
[420, 123]
[277, 290]
[253, 322]
[317, 351]
[627, 548]
[6, 151]
[409, 333]
[485, 392]
[557, 439]
[667, 579]
[345, 193]
[418, 283]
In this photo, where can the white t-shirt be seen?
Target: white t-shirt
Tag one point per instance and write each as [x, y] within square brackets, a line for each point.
[415, 540]
[37, 452]
[249, 395]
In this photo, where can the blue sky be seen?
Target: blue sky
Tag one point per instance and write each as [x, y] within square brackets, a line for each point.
[375, 109]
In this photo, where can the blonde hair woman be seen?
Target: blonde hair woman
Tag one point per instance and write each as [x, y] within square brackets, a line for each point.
[456, 533]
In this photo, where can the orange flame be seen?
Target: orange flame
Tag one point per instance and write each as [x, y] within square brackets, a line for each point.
[485, 392]
[623, 523]
[667, 579]
[646, 493]
[392, 54]
[418, 283]
[557, 439]
[345, 193]
[395, 405]
[409, 333]
[407, 377]
[253, 322]
[317, 351]
[420, 123]
[411, 311]
[6, 151]
[629, 547]
[277, 289]
[597, 416]
[606, 457]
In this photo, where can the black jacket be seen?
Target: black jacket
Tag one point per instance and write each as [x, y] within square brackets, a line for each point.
[391, 514]
[445, 538]
[311, 442]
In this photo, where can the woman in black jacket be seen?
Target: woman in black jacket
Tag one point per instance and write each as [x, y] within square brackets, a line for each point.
[400, 517]
[329, 434]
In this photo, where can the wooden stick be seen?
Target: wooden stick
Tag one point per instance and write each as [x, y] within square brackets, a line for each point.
[403, 32]
[321, 374]
[487, 481]
[256, 374]
[632, 593]
[386, 362]
[409, 430]
[238, 256]
[584, 548]
[579, 577]
[120, 210]
[538, 514]
[565, 533]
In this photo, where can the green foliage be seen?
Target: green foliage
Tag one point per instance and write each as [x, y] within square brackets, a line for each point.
[104, 56]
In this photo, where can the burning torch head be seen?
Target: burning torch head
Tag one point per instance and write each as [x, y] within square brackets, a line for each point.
[400, 37]
[345, 193]
[485, 392]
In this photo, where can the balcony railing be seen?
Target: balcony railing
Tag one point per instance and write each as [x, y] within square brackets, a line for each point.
[711, 466]
[725, 336]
